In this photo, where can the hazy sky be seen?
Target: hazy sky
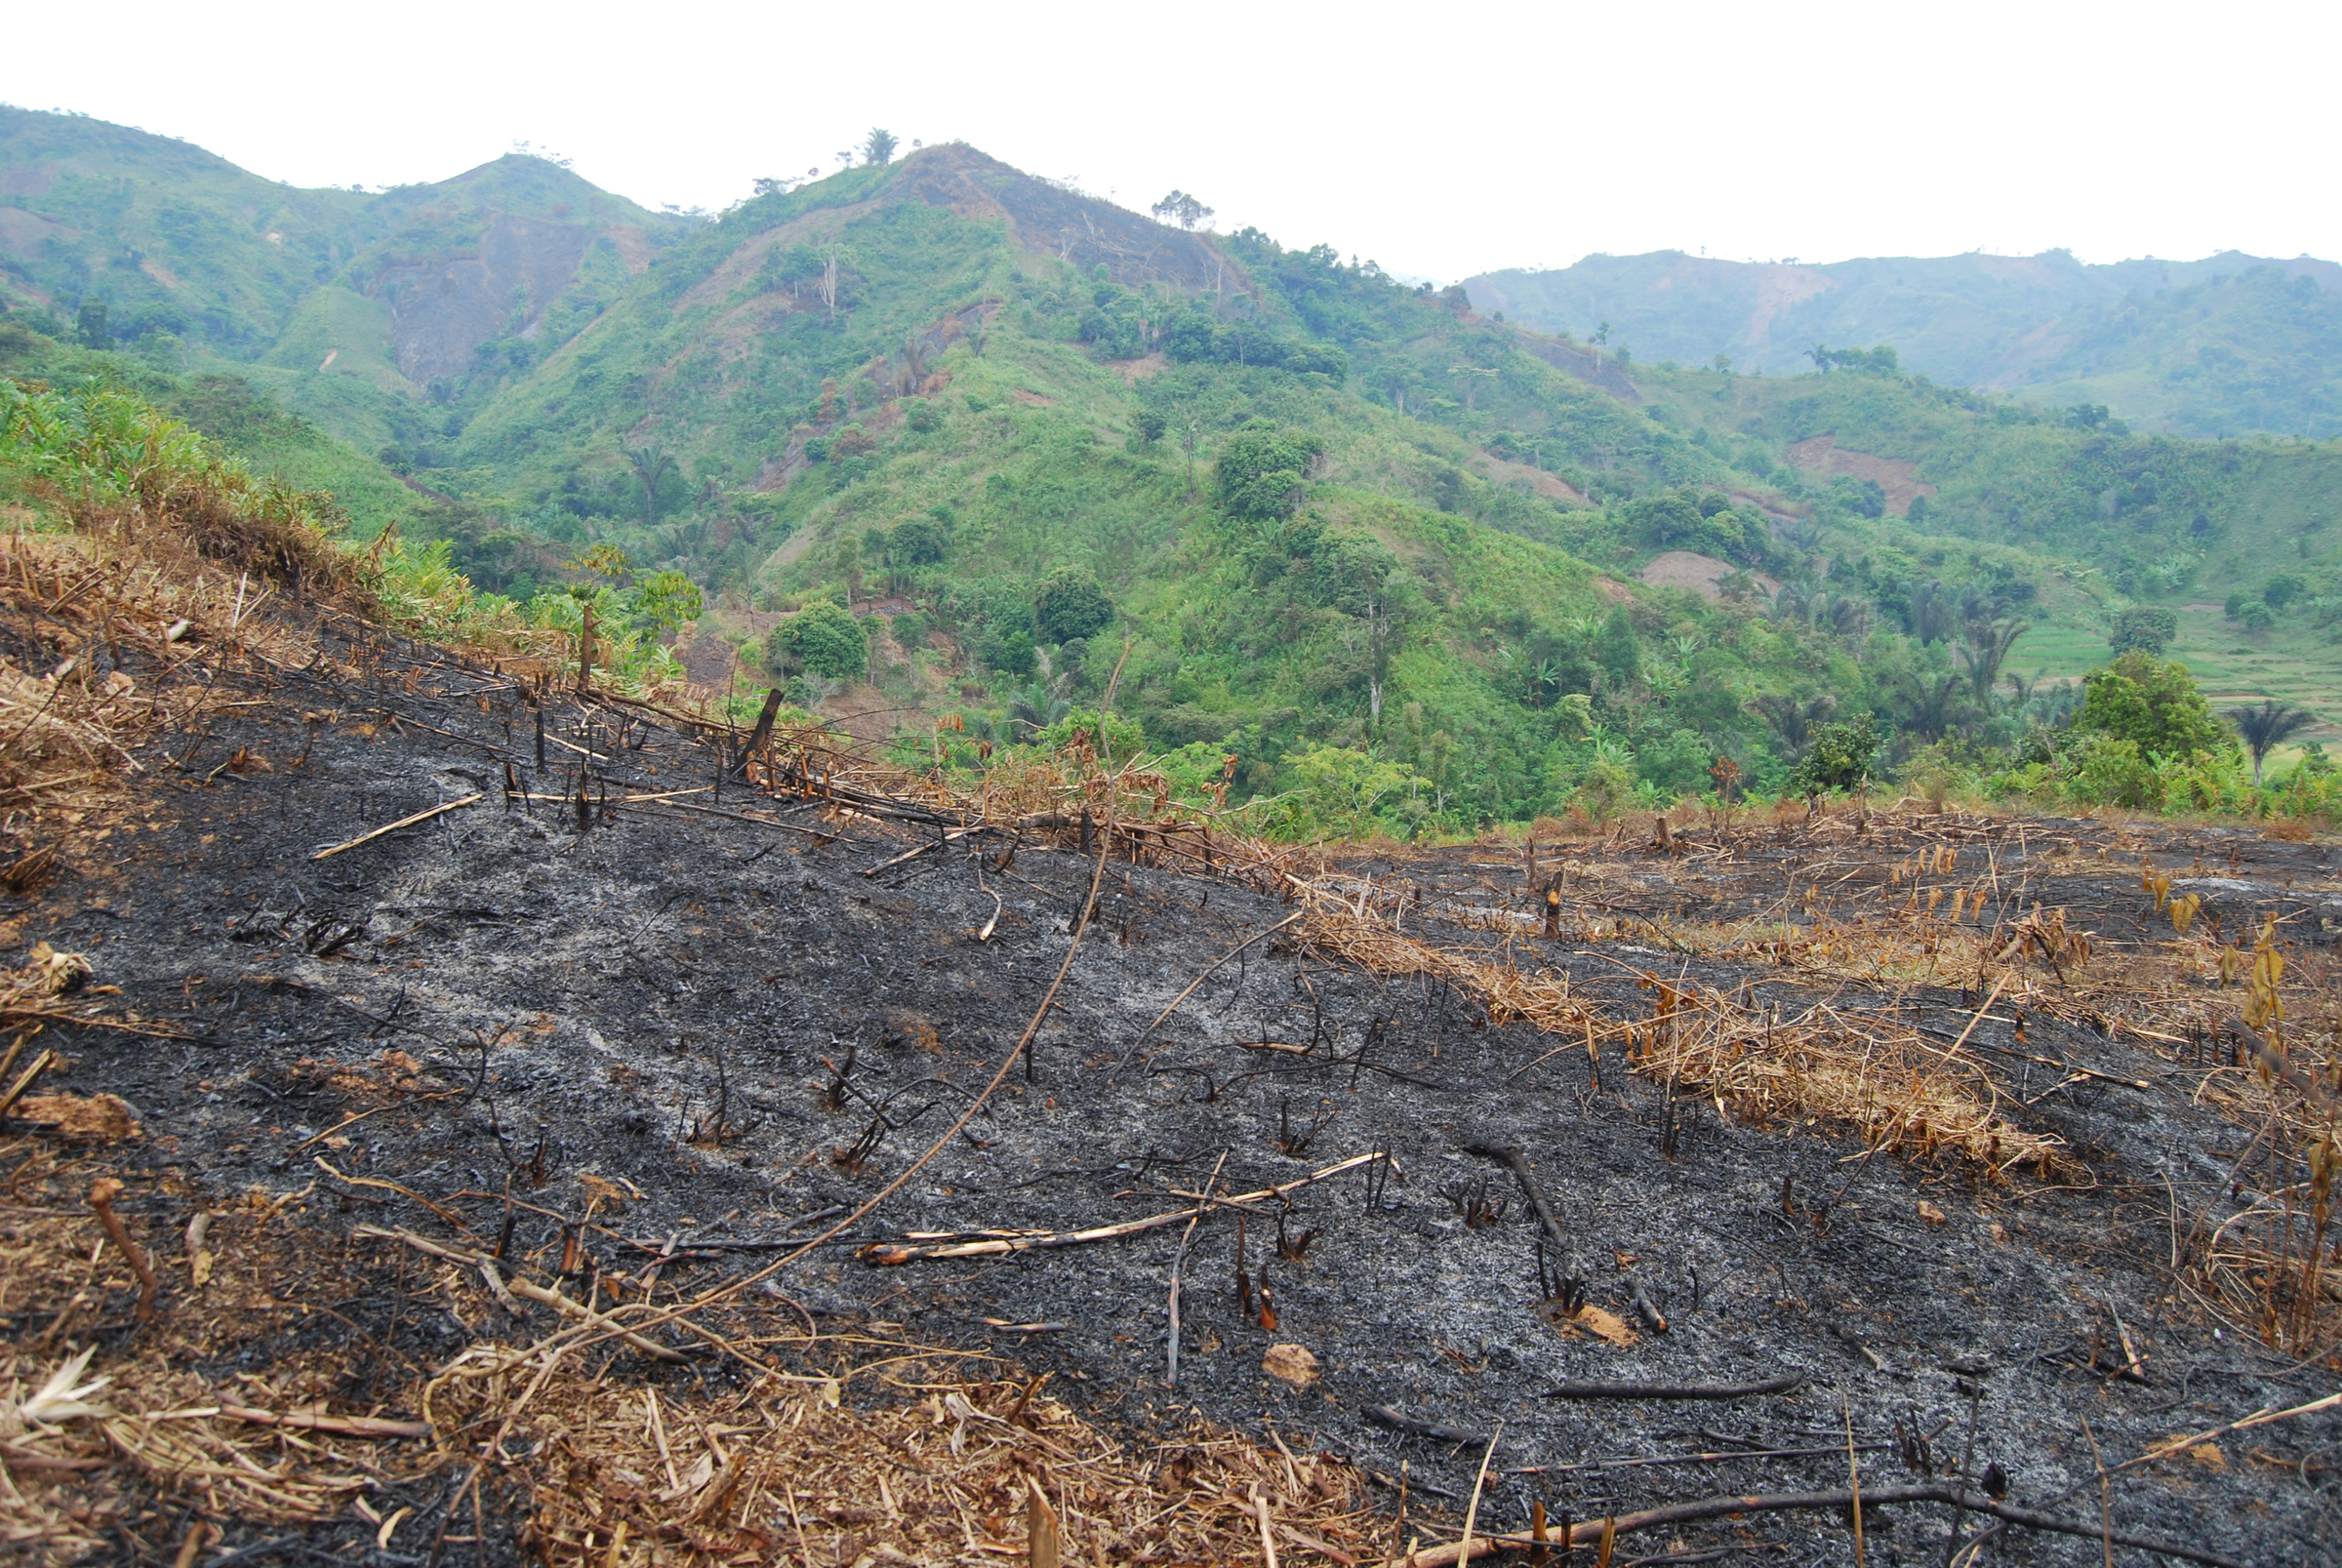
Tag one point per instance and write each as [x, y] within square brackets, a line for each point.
[1437, 142]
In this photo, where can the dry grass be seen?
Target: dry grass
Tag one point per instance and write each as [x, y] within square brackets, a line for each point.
[841, 1445]
[1899, 1091]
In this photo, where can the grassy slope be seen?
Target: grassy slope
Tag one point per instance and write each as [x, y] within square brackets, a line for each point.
[720, 354]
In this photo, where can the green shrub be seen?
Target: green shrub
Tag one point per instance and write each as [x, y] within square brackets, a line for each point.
[821, 639]
[1071, 605]
[1842, 757]
[2153, 703]
[2145, 629]
[1263, 472]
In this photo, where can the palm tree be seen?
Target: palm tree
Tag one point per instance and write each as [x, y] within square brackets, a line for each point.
[1985, 651]
[1794, 720]
[1931, 709]
[2264, 726]
[651, 465]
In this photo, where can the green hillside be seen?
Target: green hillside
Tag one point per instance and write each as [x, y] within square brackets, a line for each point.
[2230, 345]
[1393, 555]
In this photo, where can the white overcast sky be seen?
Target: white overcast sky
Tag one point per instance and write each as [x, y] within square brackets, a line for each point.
[1437, 142]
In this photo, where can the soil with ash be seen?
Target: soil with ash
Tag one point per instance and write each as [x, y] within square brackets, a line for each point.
[698, 1017]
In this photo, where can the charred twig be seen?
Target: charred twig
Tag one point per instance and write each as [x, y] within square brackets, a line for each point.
[1397, 1420]
[102, 1200]
[1677, 1390]
[1296, 1141]
[1518, 1163]
[1171, 1352]
[392, 827]
[889, 1254]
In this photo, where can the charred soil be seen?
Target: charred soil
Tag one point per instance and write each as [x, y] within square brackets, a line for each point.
[608, 1022]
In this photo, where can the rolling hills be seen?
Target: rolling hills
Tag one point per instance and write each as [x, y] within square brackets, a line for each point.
[1375, 544]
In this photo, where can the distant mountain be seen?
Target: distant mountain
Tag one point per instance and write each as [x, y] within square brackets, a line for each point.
[2229, 345]
[343, 291]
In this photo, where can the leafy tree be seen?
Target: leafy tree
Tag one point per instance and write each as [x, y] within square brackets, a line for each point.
[604, 561]
[2283, 590]
[1009, 650]
[89, 325]
[1070, 604]
[916, 542]
[2264, 726]
[821, 639]
[651, 465]
[667, 599]
[878, 147]
[1842, 757]
[2152, 703]
[1343, 786]
[1617, 648]
[2144, 628]
[1182, 208]
[1262, 472]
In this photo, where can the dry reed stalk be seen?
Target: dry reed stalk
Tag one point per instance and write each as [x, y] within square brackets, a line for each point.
[1886, 1081]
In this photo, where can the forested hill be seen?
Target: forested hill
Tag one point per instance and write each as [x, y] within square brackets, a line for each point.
[2229, 345]
[932, 440]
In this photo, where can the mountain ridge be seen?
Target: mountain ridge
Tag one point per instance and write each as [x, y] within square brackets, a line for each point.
[2155, 339]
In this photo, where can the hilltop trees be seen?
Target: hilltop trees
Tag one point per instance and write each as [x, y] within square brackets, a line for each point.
[1182, 208]
[878, 147]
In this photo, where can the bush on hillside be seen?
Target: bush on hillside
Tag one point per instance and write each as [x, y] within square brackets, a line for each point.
[1070, 604]
[2153, 703]
[1842, 757]
[2145, 629]
[1263, 472]
[821, 639]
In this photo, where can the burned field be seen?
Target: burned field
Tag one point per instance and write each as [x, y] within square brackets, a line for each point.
[1938, 1146]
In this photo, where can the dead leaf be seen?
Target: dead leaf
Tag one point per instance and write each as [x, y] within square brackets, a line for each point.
[1292, 1363]
[1594, 1323]
[99, 1118]
[2210, 1456]
[1930, 1213]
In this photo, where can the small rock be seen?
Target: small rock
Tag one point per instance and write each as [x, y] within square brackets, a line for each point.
[1930, 1213]
[1291, 1362]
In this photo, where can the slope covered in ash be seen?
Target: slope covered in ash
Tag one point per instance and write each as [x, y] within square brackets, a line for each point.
[711, 1023]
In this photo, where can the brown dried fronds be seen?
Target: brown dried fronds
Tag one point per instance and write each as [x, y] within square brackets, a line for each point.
[101, 638]
[896, 1455]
